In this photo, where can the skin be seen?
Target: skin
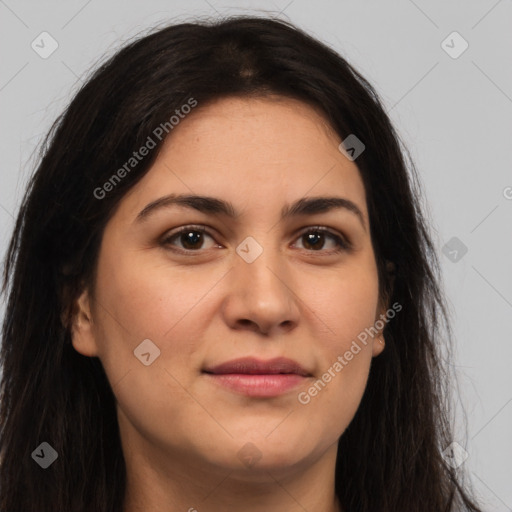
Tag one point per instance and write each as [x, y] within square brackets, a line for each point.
[181, 433]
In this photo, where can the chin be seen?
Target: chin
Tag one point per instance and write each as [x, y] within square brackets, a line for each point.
[266, 470]
[250, 457]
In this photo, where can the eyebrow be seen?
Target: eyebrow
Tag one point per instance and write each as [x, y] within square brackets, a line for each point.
[218, 207]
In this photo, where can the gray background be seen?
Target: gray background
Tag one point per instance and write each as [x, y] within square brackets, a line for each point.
[453, 114]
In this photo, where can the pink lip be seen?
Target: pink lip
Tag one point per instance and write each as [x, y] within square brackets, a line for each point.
[257, 378]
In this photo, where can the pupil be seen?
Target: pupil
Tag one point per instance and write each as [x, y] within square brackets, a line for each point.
[313, 238]
[192, 238]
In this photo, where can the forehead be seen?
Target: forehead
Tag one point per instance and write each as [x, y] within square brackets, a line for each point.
[266, 129]
[254, 152]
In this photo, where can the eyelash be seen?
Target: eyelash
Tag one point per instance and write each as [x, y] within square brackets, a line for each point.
[342, 245]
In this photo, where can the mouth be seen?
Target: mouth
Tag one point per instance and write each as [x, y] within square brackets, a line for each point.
[257, 378]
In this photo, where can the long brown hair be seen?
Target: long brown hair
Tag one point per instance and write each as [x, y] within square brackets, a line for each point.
[389, 458]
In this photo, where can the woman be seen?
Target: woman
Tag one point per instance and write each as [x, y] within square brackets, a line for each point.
[223, 294]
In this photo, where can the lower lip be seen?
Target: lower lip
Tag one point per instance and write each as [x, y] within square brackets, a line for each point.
[259, 385]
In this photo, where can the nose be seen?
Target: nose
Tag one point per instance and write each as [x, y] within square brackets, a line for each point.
[260, 295]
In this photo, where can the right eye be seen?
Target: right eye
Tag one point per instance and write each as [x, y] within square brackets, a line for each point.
[190, 237]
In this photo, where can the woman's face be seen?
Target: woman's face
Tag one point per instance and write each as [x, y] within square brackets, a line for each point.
[251, 279]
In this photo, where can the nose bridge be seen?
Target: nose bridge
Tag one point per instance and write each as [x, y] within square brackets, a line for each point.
[260, 264]
[260, 290]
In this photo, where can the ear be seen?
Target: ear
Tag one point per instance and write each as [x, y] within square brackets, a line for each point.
[379, 341]
[82, 332]
[378, 344]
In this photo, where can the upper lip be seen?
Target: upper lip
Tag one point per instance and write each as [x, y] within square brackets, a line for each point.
[253, 366]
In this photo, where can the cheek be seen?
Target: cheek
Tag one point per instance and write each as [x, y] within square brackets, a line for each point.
[137, 302]
[150, 301]
[347, 311]
[347, 305]
[143, 300]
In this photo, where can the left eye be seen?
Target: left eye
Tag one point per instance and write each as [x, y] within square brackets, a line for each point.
[192, 238]
[317, 235]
